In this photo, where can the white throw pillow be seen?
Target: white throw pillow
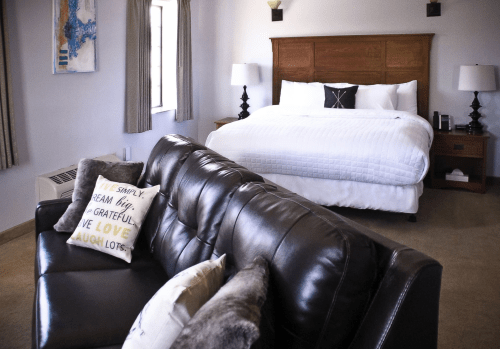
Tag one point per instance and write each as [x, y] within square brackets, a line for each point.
[113, 218]
[407, 97]
[165, 315]
[377, 97]
[287, 95]
[309, 95]
[302, 94]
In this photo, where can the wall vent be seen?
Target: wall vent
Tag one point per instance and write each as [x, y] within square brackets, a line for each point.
[60, 183]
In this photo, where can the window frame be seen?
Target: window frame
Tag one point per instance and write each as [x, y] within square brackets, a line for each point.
[168, 52]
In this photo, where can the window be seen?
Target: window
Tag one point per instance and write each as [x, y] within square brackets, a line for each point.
[163, 55]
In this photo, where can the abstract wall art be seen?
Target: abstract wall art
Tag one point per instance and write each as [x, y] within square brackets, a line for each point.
[74, 31]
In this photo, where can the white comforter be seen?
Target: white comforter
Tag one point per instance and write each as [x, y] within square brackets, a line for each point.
[373, 146]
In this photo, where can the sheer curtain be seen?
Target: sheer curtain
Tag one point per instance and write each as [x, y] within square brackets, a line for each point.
[138, 67]
[184, 65]
[8, 147]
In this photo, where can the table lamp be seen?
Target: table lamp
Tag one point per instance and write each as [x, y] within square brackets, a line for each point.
[245, 74]
[476, 78]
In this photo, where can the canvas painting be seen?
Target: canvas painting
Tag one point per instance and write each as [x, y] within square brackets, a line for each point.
[74, 36]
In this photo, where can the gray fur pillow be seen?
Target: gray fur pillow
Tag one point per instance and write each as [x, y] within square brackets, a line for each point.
[86, 177]
[231, 318]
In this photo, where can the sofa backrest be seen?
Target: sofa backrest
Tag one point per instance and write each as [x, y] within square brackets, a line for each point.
[196, 186]
[321, 270]
[333, 283]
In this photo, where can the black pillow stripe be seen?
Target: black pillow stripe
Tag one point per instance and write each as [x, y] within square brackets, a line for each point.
[340, 97]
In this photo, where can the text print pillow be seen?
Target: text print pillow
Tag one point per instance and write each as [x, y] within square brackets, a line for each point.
[113, 218]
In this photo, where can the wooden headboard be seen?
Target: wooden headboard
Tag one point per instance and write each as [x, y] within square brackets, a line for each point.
[357, 59]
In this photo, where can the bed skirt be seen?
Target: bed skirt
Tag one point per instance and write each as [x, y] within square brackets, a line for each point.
[359, 195]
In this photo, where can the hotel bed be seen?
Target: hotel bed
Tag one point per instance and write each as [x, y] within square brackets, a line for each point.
[374, 156]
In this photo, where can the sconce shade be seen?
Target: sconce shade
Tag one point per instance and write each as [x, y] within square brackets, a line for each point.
[274, 4]
[245, 74]
[477, 78]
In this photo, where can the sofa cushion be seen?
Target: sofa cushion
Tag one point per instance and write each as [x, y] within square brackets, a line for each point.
[86, 177]
[165, 315]
[322, 268]
[89, 309]
[165, 161]
[54, 255]
[113, 218]
[231, 318]
[189, 219]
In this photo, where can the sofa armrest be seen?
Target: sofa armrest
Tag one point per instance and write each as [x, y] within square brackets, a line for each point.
[404, 310]
[48, 212]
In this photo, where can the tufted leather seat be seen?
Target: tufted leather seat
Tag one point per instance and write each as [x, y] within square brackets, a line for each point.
[333, 283]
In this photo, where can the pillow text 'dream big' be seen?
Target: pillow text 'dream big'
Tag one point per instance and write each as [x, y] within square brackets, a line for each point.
[165, 315]
[86, 177]
[113, 218]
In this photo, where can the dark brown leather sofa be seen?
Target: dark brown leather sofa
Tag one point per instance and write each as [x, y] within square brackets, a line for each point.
[333, 283]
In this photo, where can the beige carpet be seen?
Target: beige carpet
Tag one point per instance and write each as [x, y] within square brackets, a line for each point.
[459, 229]
[17, 287]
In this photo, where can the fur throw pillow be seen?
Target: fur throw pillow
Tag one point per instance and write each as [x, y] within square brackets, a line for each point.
[86, 178]
[231, 318]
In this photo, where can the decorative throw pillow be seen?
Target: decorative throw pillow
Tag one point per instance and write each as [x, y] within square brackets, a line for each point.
[113, 218]
[164, 316]
[86, 176]
[231, 318]
[340, 97]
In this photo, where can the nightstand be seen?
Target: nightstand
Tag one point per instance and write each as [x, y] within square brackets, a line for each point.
[224, 121]
[458, 149]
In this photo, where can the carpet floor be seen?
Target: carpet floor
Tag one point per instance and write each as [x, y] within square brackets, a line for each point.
[459, 229]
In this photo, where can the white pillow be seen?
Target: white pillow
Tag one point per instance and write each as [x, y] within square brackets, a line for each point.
[165, 315]
[287, 96]
[407, 97]
[309, 95]
[113, 218]
[302, 94]
[377, 97]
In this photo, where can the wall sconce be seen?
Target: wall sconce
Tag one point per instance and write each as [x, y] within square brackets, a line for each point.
[276, 14]
[434, 8]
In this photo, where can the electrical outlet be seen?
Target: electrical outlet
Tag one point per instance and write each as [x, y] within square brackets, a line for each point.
[126, 154]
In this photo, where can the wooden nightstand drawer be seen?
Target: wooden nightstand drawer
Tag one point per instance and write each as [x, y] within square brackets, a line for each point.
[458, 146]
[459, 150]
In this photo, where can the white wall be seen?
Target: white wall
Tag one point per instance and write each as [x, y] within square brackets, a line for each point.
[63, 118]
[467, 32]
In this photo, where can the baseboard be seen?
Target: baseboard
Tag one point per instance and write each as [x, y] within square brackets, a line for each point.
[17, 231]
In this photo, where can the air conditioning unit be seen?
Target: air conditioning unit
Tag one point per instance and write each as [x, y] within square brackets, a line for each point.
[60, 184]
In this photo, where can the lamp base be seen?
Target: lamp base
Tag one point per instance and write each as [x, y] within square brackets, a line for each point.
[475, 127]
[244, 106]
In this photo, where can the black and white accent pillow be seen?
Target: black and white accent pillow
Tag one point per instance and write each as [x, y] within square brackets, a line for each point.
[340, 97]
